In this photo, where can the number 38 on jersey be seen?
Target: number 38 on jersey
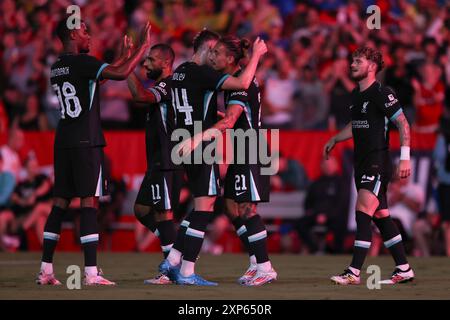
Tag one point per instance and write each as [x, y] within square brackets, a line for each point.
[69, 102]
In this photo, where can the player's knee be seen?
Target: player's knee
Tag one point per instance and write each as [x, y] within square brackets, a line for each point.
[246, 210]
[89, 202]
[231, 209]
[140, 211]
[164, 215]
[380, 214]
[204, 204]
[366, 207]
[61, 203]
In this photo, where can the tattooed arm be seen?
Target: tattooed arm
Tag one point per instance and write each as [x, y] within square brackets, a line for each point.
[232, 114]
[404, 167]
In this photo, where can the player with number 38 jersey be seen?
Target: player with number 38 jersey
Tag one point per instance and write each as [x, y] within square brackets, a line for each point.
[75, 80]
[79, 141]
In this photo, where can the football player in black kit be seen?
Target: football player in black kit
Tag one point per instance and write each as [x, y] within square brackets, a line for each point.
[160, 189]
[373, 106]
[245, 186]
[79, 142]
[194, 88]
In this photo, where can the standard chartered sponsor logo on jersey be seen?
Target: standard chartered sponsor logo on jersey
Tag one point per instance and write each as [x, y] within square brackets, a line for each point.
[390, 104]
[360, 124]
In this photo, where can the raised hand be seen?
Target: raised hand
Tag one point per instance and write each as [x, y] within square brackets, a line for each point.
[127, 47]
[145, 36]
[259, 47]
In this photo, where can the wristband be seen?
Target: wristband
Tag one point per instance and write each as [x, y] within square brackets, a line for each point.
[404, 153]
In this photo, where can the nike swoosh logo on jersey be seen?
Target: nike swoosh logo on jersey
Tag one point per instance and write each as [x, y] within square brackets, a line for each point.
[239, 193]
[155, 202]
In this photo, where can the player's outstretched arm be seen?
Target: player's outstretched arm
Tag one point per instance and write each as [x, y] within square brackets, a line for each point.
[232, 114]
[139, 93]
[121, 72]
[245, 78]
[404, 167]
[126, 51]
[343, 135]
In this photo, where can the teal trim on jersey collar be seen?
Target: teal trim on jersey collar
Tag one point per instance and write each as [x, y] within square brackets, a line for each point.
[399, 112]
[99, 72]
[222, 80]
[236, 102]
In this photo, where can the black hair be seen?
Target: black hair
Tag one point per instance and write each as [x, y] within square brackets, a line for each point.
[428, 40]
[62, 31]
[166, 50]
[202, 37]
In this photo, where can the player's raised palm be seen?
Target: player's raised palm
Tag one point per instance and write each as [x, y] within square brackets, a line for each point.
[145, 36]
[127, 47]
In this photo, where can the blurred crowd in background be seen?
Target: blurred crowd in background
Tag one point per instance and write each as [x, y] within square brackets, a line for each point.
[304, 79]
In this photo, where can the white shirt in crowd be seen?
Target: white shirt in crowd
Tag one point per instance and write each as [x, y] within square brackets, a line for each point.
[402, 212]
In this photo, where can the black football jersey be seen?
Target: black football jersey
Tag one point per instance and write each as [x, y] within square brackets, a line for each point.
[250, 118]
[371, 111]
[194, 95]
[75, 80]
[159, 127]
[250, 101]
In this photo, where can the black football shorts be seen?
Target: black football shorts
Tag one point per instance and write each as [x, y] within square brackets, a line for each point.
[160, 189]
[79, 172]
[245, 183]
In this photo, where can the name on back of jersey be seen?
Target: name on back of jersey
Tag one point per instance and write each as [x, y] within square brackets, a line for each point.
[178, 76]
[59, 72]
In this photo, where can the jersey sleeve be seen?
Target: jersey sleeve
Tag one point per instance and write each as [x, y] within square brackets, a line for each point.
[90, 67]
[161, 91]
[211, 78]
[238, 97]
[390, 104]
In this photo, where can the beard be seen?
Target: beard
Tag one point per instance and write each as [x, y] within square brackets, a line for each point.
[361, 76]
[154, 74]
